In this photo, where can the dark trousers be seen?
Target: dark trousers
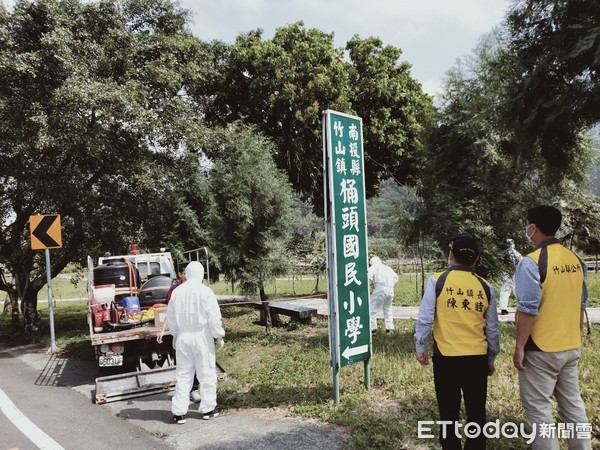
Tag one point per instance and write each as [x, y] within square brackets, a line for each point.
[453, 376]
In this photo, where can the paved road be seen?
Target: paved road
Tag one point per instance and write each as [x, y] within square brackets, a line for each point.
[45, 413]
[48, 404]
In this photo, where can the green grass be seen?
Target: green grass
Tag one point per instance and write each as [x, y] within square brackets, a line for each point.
[282, 287]
[70, 330]
[290, 369]
[407, 291]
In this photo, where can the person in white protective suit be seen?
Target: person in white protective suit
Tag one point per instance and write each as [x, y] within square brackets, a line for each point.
[194, 319]
[383, 279]
[512, 258]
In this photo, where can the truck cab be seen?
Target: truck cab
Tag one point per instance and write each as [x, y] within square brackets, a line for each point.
[148, 264]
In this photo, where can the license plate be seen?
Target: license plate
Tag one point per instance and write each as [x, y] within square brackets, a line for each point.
[110, 361]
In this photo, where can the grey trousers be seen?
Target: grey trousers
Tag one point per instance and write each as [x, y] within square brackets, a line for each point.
[554, 374]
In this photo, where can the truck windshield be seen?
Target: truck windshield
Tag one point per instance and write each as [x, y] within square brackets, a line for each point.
[149, 269]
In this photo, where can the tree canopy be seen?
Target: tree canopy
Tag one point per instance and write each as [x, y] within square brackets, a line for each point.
[396, 112]
[104, 115]
[481, 178]
[283, 85]
[556, 95]
[93, 112]
[115, 117]
[252, 200]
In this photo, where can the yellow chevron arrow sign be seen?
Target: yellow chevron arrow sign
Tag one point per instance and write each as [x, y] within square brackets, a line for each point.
[45, 231]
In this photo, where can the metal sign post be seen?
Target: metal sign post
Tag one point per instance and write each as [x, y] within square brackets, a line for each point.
[45, 234]
[53, 346]
[347, 258]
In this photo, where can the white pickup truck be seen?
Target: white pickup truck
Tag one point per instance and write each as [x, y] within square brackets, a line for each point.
[121, 332]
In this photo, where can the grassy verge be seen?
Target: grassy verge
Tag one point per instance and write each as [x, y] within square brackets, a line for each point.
[407, 291]
[290, 369]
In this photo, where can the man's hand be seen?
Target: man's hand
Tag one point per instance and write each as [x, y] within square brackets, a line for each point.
[524, 327]
[220, 342]
[519, 359]
[491, 369]
[159, 339]
[422, 358]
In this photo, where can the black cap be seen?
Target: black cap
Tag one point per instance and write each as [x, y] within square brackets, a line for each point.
[465, 249]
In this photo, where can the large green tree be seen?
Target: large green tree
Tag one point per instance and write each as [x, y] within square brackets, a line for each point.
[481, 177]
[252, 200]
[556, 95]
[282, 85]
[396, 113]
[93, 118]
[305, 241]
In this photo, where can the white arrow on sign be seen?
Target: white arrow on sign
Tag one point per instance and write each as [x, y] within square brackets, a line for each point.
[352, 351]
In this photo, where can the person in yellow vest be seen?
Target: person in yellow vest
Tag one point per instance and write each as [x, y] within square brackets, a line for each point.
[551, 289]
[460, 306]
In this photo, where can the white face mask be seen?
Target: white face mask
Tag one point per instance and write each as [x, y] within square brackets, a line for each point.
[527, 234]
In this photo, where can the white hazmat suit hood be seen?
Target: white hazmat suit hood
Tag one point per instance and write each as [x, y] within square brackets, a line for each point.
[375, 261]
[194, 320]
[382, 276]
[194, 271]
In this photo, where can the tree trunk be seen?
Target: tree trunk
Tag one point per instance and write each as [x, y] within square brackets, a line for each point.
[15, 319]
[27, 292]
[11, 304]
[31, 316]
[267, 318]
[421, 245]
[316, 288]
[265, 312]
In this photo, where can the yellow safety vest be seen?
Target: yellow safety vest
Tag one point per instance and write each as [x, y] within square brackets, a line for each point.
[556, 327]
[462, 298]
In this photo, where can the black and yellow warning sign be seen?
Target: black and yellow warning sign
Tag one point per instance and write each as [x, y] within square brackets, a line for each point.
[45, 231]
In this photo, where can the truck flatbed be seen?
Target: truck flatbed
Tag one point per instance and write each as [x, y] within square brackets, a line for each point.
[148, 331]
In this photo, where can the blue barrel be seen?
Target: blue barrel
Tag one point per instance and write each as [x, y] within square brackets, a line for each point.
[131, 304]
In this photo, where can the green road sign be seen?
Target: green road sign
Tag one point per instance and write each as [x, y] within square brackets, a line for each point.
[346, 238]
